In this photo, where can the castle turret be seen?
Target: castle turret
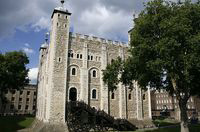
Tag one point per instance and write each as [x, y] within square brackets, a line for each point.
[44, 47]
[58, 64]
[53, 91]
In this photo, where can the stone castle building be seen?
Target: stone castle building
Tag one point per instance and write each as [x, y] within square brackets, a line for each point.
[70, 69]
[161, 100]
[19, 102]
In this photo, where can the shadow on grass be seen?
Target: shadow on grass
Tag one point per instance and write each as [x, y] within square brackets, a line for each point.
[14, 123]
[163, 121]
[193, 128]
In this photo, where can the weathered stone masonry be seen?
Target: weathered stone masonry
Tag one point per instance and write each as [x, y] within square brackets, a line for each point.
[71, 69]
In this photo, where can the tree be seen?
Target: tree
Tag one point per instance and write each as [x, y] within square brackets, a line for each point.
[165, 51]
[110, 75]
[13, 72]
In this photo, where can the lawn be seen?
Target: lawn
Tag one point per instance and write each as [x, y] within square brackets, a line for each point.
[14, 123]
[165, 122]
[193, 128]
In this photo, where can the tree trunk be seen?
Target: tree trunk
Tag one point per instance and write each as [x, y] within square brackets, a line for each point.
[108, 102]
[184, 118]
[126, 102]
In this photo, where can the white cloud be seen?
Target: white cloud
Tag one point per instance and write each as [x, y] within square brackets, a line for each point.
[105, 18]
[36, 14]
[33, 72]
[28, 50]
[43, 23]
[113, 14]
[27, 44]
[104, 23]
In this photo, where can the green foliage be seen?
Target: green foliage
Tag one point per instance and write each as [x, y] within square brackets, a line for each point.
[165, 51]
[13, 72]
[110, 75]
[166, 46]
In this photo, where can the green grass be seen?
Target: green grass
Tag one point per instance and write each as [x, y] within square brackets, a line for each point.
[14, 123]
[165, 122]
[193, 128]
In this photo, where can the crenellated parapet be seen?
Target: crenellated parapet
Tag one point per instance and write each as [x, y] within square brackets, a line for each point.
[77, 36]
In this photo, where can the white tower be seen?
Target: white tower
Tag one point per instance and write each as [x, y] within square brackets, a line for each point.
[58, 64]
[52, 81]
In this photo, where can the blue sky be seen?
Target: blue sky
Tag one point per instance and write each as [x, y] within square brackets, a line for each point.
[23, 24]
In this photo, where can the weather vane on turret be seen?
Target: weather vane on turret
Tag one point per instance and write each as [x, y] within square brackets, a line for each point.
[62, 2]
[46, 37]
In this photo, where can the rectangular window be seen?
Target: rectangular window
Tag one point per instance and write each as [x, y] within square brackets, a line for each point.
[34, 107]
[27, 99]
[13, 98]
[20, 99]
[12, 107]
[26, 107]
[59, 59]
[21, 92]
[28, 92]
[19, 107]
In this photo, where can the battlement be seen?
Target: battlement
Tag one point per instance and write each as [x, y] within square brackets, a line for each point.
[94, 38]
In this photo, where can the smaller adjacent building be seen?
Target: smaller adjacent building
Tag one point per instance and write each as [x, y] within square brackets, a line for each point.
[161, 101]
[20, 102]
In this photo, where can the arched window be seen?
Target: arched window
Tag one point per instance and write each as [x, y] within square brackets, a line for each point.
[73, 71]
[129, 96]
[94, 94]
[144, 97]
[94, 73]
[77, 56]
[112, 95]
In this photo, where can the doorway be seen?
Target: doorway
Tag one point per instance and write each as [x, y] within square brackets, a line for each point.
[72, 94]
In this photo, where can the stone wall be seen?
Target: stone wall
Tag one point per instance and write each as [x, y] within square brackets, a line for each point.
[88, 56]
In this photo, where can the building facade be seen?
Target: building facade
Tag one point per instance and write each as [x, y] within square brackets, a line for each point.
[20, 102]
[70, 69]
[162, 100]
